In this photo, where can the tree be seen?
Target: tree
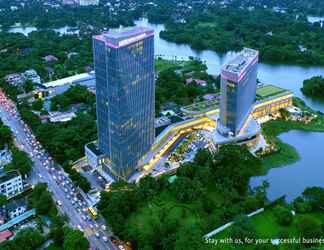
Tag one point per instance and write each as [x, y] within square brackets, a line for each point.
[21, 161]
[42, 199]
[314, 87]
[74, 239]
[283, 215]
[315, 197]
[234, 166]
[189, 237]
[3, 200]
[309, 228]
[27, 239]
[186, 190]
[28, 86]
[38, 105]
[242, 228]
[5, 136]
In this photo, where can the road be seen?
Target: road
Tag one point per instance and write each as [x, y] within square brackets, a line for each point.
[59, 184]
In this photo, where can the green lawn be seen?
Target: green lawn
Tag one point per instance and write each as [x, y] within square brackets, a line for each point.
[162, 64]
[269, 90]
[267, 227]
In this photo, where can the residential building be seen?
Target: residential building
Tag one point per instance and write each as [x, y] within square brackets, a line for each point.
[11, 183]
[238, 92]
[125, 93]
[61, 116]
[16, 207]
[15, 79]
[32, 75]
[50, 58]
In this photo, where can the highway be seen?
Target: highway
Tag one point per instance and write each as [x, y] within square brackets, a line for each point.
[45, 170]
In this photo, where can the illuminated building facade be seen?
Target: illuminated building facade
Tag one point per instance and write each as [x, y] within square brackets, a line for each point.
[125, 93]
[238, 92]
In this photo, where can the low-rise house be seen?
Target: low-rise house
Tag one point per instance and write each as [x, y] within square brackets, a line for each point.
[61, 117]
[16, 208]
[197, 81]
[50, 58]
[15, 79]
[11, 184]
[32, 75]
[5, 235]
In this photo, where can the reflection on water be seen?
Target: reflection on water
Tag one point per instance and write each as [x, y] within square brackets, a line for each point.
[287, 76]
[291, 180]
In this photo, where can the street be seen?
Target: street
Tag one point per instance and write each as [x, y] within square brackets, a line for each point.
[64, 193]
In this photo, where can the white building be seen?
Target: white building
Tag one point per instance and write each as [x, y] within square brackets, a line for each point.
[32, 75]
[11, 184]
[88, 2]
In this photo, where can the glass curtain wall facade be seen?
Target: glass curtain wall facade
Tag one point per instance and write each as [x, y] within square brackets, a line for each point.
[125, 94]
[238, 91]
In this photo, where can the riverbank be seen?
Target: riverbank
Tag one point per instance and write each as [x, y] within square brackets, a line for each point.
[286, 154]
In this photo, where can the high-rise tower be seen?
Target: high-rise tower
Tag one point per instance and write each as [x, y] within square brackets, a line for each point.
[125, 93]
[238, 91]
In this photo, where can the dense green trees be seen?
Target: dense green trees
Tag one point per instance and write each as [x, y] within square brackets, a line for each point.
[20, 162]
[75, 94]
[309, 228]
[42, 200]
[74, 239]
[65, 141]
[171, 87]
[231, 29]
[314, 87]
[283, 215]
[165, 205]
[27, 239]
[38, 105]
[5, 135]
[242, 228]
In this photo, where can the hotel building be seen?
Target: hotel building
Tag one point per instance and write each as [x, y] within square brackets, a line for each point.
[125, 93]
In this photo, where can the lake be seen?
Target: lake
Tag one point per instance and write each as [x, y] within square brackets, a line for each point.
[294, 178]
[290, 180]
[66, 30]
[287, 76]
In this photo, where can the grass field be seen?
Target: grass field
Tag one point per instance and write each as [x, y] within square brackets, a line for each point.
[162, 64]
[268, 91]
[267, 227]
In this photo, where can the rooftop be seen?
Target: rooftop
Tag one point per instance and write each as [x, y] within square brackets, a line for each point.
[122, 37]
[15, 203]
[241, 61]
[9, 175]
[269, 91]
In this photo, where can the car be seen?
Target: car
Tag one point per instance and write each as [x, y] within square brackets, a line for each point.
[97, 234]
[103, 227]
[59, 203]
[104, 238]
[80, 228]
